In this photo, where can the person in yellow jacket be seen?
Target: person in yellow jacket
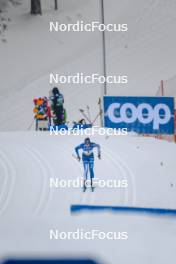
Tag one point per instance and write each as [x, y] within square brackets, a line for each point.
[39, 110]
[40, 113]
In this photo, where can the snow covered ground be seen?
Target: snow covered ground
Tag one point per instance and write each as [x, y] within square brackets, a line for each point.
[28, 207]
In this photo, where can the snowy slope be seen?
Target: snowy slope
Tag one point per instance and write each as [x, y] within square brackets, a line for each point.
[144, 53]
[29, 208]
[38, 53]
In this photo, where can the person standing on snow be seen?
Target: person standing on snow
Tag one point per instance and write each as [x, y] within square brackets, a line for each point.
[47, 109]
[57, 101]
[88, 159]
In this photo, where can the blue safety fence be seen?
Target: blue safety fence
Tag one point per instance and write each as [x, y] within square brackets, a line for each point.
[65, 127]
[75, 208]
[79, 126]
[58, 128]
[50, 261]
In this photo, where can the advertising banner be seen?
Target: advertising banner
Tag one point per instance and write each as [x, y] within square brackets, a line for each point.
[151, 115]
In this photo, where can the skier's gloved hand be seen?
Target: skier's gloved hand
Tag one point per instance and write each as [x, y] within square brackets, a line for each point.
[78, 158]
[99, 156]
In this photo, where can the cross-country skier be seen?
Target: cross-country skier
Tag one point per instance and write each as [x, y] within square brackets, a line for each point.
[88, 159]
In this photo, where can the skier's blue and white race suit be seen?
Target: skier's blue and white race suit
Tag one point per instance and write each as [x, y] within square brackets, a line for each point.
[88, 157]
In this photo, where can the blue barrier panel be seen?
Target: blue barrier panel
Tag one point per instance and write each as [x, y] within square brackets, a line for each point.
[79, 126]
[150, 115]
[78, 208]
[50, 261]
[57, 128]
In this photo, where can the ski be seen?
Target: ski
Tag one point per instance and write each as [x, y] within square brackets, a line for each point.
[92, 189]
[84, 188]
[99, 114]
[88, 113]
[85, 116]
[29, 127]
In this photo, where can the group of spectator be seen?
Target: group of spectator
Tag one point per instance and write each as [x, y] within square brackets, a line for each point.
[51, 110]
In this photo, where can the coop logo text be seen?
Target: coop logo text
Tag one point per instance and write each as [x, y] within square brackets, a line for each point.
[160, 114]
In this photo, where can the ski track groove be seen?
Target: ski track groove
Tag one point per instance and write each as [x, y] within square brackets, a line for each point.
[89, 197]
[123, 173]
[66, 153]
[45, 195]
[4, 173]
[10, 178]
[83, 196]
[129, 173]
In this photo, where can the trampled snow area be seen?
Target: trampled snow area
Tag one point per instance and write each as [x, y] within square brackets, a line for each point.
[30, 208]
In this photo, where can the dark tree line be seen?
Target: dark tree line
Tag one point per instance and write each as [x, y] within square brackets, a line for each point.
[36, 8]
[56, 5]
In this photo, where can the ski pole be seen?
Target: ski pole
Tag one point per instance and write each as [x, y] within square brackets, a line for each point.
[88, 112]
[75, 157]
[86, 117]
[97, 117]
[30, 125]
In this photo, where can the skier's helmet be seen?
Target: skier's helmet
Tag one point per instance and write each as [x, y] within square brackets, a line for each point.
[87, 141]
